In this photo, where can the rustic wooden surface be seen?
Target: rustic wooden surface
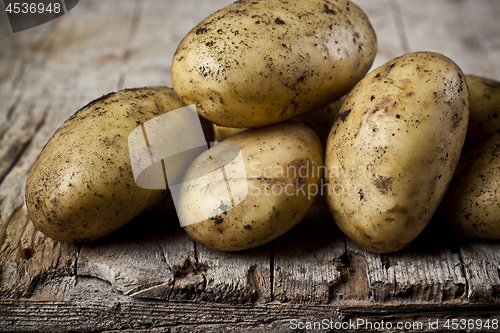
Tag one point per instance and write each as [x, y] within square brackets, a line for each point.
[150, 276]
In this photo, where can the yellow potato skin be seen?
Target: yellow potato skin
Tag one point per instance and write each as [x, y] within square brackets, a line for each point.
[471, 204]
[320, 121]
[255, 63]
[393, 149]
[271, 154]
[484, 119]
[81, 187]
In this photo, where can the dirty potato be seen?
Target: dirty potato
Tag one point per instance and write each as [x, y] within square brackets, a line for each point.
[255, 63]
[394, 147]
[484, 119]
[320, 121]
[471, 204]
[251, 188]
[82, 187]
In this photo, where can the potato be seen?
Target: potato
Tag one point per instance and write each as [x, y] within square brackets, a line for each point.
[82, 186]
[271, 186]
[255, 63]
[484, 117]
[393, 149]
[320, 121]
[471, 204]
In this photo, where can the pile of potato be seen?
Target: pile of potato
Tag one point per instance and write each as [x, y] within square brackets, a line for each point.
[285, 85]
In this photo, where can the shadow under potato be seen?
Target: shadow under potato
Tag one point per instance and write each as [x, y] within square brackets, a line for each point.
[159, 223]
[316, 231]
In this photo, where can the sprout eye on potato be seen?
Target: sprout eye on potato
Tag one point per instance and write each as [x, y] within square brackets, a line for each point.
[81, 187]
[394, 147]
[255, 63]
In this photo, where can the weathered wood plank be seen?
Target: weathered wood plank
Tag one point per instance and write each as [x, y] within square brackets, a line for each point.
[309, 260]
[160, 29]
[30, 316]
[84, 55]
[314, 263]
[426, 271]
[152, 257]
[26, 271]
[143, 259]
[482, 268]
[132, 263]
[387, 24]
[487, 28]
[88, 288]
[17, 50]
[456, 29]
[237, 277]
[17, 133]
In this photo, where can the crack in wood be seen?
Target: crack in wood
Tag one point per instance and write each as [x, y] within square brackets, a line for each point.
[75, 269]
[168, 298]
[188, 267]
[163, 256]
[466, 294]
[271, 270]
[10, 113]
[184, 283]
[149, 290]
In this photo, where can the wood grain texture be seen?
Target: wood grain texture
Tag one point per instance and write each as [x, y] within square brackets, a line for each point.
[386, 21]
[421, 273]
[310, 262]
[159, 28]
[29, 316]
[482, 268]
[237, 277]
[461, 30]
[150, 276]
